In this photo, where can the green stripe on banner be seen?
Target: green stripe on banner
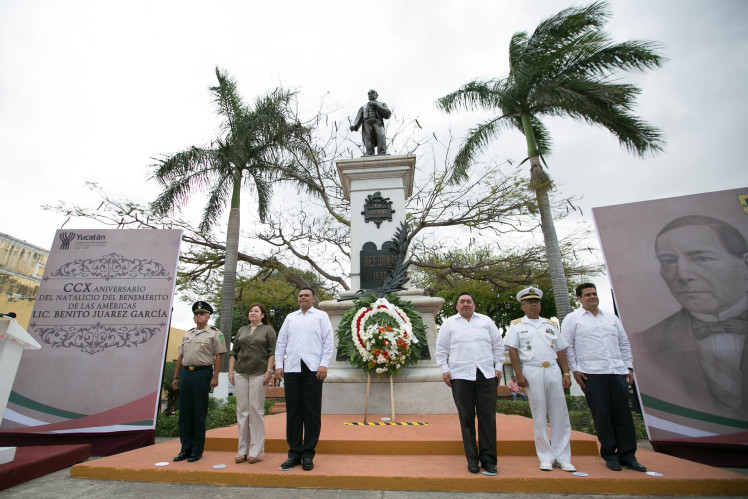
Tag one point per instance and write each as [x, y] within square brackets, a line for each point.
[15, 398]
[661, 405]
[147, 422]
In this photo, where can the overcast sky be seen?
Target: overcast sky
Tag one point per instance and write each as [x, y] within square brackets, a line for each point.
[91, 90]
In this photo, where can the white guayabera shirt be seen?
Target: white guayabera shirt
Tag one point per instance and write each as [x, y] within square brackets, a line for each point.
[464, 346]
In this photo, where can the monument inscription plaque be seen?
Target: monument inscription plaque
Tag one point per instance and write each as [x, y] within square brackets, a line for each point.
[377, 209]
[374, 264]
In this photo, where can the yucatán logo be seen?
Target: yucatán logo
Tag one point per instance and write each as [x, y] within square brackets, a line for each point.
[65, 238]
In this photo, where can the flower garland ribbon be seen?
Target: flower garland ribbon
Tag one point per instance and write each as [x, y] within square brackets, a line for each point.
[382, 335]
[398, 318]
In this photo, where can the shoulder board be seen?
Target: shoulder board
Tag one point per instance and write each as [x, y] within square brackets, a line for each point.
[517, 321]
[552, 323]
[214, 329]
[190, 330]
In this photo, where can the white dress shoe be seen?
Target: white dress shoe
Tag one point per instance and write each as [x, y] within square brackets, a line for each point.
[546, 466]
[566, 466]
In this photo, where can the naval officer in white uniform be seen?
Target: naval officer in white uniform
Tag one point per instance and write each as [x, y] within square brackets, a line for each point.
[537, 350]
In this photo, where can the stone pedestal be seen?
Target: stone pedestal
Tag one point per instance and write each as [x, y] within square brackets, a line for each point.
[13, 340]
[418, 389]
[392, 176]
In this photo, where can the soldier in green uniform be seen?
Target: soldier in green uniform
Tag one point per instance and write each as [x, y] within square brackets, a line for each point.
[198, 365]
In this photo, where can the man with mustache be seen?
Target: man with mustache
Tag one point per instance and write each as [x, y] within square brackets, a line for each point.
[699, 354]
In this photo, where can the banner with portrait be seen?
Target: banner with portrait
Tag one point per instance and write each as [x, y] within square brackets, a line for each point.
[679, 271]
[102, 318]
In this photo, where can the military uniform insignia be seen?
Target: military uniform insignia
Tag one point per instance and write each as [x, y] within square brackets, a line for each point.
[220, 336]
[516, 321]
[550, 331]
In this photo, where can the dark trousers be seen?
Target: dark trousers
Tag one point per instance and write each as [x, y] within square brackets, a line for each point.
[373, 135]
[303, 412]
[194, 387]
[608, 398]
[471, 398]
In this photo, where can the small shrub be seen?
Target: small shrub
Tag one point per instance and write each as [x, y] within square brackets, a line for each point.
[269, 405]
[580, 416]
[639, 427]
[220, 413]
[576, 403]
[167, 425]
[514, 407]
[582, 421]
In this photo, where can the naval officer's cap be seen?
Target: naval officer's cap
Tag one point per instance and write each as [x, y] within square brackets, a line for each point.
[529, 293]
[201, 306]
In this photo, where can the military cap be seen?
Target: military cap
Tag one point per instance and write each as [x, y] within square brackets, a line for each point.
[201, 306]
[528, 293]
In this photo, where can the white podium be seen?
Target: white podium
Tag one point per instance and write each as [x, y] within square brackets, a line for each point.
[13, 341]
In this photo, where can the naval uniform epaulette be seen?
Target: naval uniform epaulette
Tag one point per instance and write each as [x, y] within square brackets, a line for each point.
[190, 330]
[549, 322]
[517, 321]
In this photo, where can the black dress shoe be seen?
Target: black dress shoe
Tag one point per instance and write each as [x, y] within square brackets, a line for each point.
[613, 465]
[634, 465]
[194, 457]
[289, 463]
[490, 470]
[307, 464]
[181, 456]
[473, 467]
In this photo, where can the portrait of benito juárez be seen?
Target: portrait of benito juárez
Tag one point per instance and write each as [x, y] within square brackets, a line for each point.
[698, 357]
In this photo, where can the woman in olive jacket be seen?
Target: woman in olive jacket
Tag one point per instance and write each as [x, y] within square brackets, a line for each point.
[251, 369]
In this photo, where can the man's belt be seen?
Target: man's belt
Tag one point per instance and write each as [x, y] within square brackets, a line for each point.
[196, 368]
[544, 364]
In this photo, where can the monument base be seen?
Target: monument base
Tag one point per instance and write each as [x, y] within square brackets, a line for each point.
[417, 390]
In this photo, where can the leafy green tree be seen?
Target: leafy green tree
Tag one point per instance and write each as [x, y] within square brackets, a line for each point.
[494, 278]
[256, 145]
[275, 292]
[568, 67]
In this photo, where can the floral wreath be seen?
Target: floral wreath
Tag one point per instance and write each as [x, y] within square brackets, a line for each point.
[382, 335]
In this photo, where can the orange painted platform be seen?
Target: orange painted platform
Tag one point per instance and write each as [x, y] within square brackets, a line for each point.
[412, 457]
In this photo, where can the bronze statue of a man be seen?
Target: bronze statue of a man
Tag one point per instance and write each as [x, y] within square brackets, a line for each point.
[372, 115]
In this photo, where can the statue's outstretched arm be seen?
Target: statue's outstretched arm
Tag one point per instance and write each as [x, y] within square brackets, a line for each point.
[359, 119]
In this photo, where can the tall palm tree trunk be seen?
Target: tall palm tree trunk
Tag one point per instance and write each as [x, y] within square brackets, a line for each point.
[540, 182]
[229, 270]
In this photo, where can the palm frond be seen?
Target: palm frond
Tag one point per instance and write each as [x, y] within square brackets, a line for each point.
[477, 139]
[474, 95]
[220, 194]
[229, 104]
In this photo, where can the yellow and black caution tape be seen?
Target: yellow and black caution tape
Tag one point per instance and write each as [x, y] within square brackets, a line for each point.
[387, 423]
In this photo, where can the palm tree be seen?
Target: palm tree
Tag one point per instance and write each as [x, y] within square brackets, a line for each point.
[254, 146]
[567, 67]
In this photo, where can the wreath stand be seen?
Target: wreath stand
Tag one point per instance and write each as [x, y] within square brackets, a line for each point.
[392, 398]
